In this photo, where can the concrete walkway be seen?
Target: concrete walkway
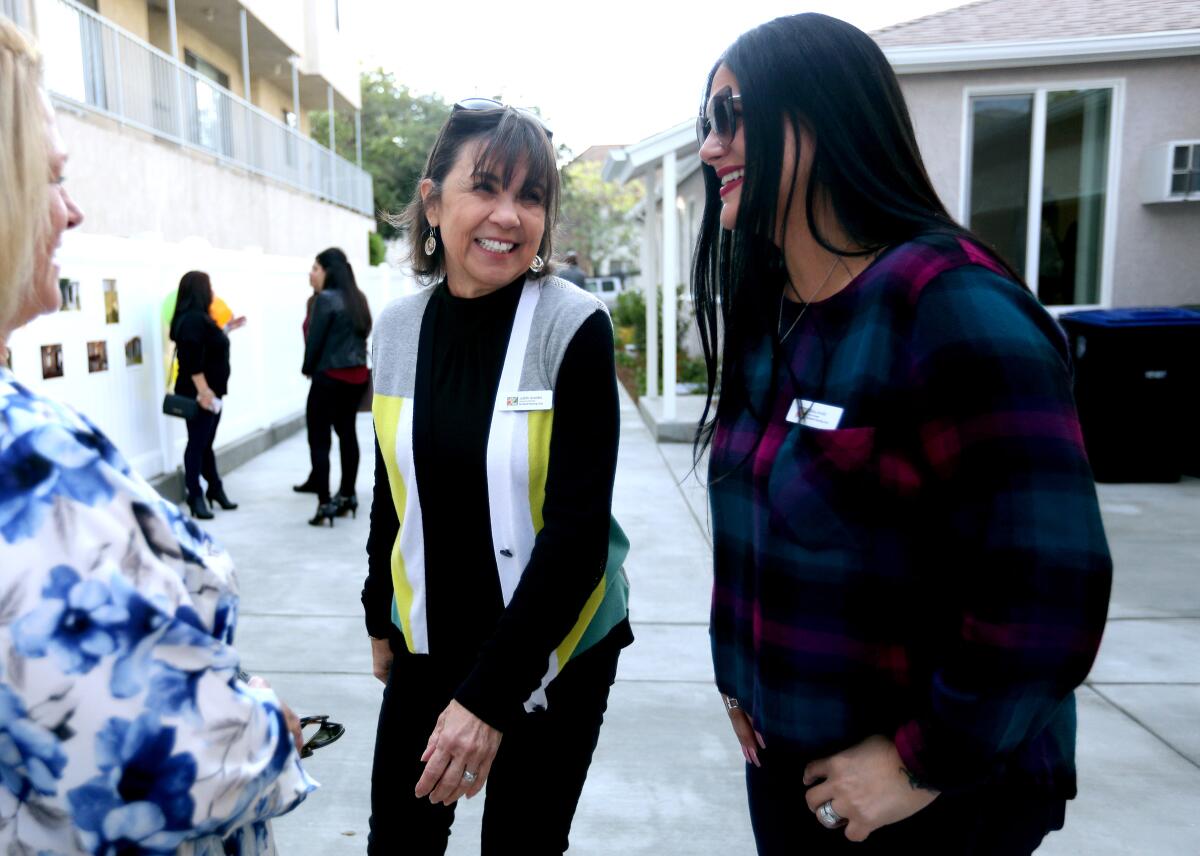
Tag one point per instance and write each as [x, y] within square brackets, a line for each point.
[667, 776]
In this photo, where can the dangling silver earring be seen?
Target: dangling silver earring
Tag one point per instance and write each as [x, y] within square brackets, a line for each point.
[537, 264]
[430, 243]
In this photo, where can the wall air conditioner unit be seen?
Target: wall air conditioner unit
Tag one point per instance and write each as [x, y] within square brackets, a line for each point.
[1171, 172]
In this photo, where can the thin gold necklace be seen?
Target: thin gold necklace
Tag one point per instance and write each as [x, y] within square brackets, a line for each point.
[804, 308]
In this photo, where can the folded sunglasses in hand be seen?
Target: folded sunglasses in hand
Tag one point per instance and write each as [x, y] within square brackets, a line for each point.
[326, 733]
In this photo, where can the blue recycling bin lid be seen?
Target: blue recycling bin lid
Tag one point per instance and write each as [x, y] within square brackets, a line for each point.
[1154, 316]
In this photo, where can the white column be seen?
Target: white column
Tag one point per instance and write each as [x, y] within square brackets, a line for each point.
[332, 118]
[245, 58]
[171, 24]
[174, 33]
[670, 282]
[358, 137]
[649, 263]
[332, 185]
[295, 63]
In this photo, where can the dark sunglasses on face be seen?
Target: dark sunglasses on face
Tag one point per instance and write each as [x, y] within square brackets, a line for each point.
[493, 104]
[719, 117]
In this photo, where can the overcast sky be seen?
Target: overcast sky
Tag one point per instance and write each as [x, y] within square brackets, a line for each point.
[602, 72]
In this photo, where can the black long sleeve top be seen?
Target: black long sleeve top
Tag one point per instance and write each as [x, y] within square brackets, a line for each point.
[496, 656]
[202, 348]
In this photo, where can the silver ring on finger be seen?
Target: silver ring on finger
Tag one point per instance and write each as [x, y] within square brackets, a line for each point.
[829, 818]
[469, 777]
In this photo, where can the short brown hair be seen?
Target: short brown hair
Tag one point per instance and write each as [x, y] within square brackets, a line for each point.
[511, 138]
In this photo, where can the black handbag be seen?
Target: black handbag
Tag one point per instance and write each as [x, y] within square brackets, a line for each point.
[179, 405]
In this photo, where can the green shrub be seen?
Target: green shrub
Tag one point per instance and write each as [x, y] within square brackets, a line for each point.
[376, 249]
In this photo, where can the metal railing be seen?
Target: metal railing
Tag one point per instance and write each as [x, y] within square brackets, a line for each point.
[16, 11]
[96, 65]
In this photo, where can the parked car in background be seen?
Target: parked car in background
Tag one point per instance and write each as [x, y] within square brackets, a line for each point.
[605, 287]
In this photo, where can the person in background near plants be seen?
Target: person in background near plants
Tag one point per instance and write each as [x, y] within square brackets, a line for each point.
[123, 726]
[571, 271]
[335, 358]
[495, 601]
[911, 573]
[203, 351]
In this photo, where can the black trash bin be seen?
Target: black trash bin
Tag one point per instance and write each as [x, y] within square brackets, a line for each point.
[1137, 378]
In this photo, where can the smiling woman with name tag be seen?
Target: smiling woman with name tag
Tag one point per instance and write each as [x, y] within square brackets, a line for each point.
[911, 575]
[496, 601]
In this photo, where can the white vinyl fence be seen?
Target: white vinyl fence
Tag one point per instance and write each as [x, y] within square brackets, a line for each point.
[96, 340]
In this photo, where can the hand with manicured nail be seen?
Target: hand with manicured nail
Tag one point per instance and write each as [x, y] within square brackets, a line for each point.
[751, 741]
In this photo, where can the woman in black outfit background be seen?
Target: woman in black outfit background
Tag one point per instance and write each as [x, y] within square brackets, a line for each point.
[203, 350]
[335, 357]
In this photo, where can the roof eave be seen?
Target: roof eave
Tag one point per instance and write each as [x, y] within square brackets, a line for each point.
[623, 165]
[928, 59]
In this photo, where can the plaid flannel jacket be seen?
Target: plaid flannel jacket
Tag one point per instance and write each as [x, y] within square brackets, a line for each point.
[933, 568]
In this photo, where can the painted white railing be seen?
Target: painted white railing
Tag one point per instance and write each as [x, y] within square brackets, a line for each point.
[96, 65]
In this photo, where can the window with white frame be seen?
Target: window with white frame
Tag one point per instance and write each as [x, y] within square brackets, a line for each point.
[1037, 185]
[1185, 169]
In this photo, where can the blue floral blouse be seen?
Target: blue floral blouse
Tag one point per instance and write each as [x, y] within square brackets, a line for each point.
[123, 728]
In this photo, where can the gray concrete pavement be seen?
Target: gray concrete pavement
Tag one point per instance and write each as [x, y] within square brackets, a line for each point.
[667, 775]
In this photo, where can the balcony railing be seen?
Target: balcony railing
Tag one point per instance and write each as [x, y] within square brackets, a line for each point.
[96, 65]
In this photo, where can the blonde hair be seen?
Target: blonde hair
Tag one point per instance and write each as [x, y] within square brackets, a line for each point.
[24, 167]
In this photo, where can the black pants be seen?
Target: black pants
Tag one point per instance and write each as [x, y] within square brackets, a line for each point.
[535, 781]
[333, 404]
[994, 820]
[198, 457]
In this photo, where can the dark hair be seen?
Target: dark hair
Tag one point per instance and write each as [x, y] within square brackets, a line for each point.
[339, 276]
[511, 138]
[195, 293]
[829, 78]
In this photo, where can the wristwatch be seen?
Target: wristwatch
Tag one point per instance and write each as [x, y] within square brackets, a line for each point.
[730, 702]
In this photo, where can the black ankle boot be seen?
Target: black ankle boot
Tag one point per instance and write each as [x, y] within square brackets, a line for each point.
[217, 497]
[325, 511]
[199, 508]
[306, 486]
[346, 504]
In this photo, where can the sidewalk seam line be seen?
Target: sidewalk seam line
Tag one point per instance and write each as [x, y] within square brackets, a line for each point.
[1145, 727]
[679, 487]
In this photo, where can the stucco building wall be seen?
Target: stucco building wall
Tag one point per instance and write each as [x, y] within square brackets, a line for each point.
[1156, 257]
[160, 187]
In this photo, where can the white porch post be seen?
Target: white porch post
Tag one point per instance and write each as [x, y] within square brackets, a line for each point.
[650, 286]
[670, 268]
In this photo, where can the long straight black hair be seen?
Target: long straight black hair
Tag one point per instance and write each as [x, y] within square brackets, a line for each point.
[339, 276]
[828, 77]
[195, 293]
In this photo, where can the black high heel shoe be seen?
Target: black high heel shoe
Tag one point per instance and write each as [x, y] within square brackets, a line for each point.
[217, 497]
[325, 511]
[306, 486]
[346, 504]
[199, 508]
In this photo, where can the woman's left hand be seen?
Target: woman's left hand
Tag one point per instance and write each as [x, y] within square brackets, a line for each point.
[461, 742]
[869, 787]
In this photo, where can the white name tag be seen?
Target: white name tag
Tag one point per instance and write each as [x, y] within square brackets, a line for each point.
[814, 414]
[538, 399]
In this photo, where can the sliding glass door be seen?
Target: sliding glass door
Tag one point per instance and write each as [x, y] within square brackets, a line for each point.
[1037, 189]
